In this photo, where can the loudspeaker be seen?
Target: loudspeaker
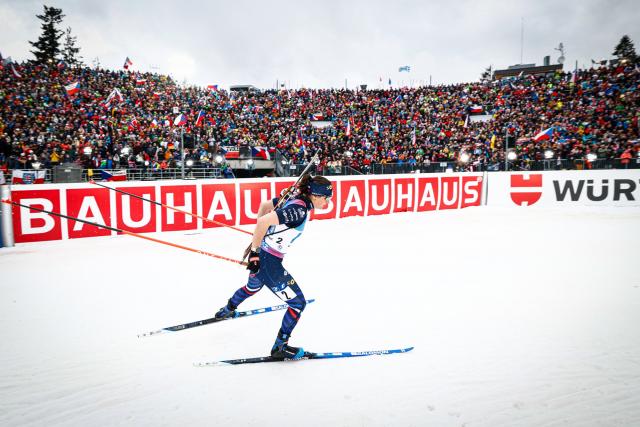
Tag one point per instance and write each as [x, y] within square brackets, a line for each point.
[67, 173]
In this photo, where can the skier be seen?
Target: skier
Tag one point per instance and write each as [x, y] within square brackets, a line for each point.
[275, 231]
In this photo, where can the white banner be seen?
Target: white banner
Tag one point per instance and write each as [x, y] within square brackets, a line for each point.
[613, 187]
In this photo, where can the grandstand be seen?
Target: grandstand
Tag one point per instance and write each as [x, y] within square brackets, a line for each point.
[591, 115]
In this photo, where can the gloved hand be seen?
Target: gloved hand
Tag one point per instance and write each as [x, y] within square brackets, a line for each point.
[254, 261]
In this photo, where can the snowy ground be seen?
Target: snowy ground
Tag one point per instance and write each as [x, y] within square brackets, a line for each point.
[518, 317]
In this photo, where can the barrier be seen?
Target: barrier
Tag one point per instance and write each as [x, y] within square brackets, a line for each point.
[613, 187]
[232, 202]
[236, 202]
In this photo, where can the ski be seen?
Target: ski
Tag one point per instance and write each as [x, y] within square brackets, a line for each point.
[203, 322]
[307, 356]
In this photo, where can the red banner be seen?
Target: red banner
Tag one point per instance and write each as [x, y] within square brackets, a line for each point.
[228, 202]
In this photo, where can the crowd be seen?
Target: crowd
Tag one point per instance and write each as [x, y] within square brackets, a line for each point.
[42, 124]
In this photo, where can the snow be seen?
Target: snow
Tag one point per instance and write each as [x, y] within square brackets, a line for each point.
[519, 317]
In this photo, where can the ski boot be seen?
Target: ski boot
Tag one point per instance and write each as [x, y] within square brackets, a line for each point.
[282, 350]
[227, 312]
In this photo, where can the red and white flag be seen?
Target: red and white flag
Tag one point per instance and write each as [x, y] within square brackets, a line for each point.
[19, 176]
[72, 89]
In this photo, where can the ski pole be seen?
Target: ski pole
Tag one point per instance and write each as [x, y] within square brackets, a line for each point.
[171, 207]
[129, 233]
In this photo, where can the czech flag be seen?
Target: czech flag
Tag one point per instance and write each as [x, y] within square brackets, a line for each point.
[127, 63]
[119, 175]
[200, 118]
[181, 120]
[260, 153]
[317, 117]
[72, 89]
[544, 135]
[476, 109]
[213, 87]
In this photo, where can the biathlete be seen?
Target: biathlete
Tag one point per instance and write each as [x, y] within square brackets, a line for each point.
[275, 231]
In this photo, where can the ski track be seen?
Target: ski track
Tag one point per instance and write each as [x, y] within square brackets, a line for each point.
[519, 317]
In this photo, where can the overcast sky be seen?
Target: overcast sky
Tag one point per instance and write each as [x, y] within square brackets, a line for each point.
[321, 43]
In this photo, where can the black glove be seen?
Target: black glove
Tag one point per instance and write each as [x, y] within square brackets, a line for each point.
[254, 261]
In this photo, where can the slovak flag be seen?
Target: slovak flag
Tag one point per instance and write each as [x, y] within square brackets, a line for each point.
[544, 135]
[118, 175]
[127, 63]
[181, 120]
[73, 88]
[200, 118]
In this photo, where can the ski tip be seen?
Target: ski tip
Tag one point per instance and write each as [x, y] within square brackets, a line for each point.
[207, 364]
[309, 301]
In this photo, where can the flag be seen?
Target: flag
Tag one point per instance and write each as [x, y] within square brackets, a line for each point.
[72, 88]
[134, 123]
[348, 131]
[299, 138]
[213, 87]
[404, 68]
[115, 95]
[544, 135]
[15, 72]
[200, 118]
[118, 175]
[154, 123]
[127, 63]
[19, 176]
[260, 152]
[317, 117]
[181, 120]
[61, 65]
[476, 109]
[140, 82]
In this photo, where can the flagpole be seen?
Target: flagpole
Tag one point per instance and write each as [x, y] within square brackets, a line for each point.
[182, 150]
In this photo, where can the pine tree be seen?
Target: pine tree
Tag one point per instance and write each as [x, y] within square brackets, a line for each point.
[626, 50]
[70, 51]
[48, 45]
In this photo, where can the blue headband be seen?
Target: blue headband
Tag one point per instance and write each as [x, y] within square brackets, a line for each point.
[321, 189]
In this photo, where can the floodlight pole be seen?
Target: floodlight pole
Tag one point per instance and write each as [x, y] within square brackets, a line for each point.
[506, 149]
